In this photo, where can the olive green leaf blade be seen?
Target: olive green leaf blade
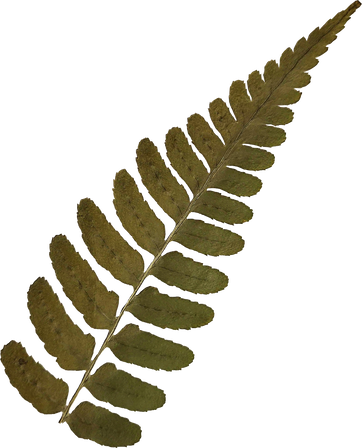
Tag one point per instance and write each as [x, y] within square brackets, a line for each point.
[62, 338]
[167, 192]
[121, 389]
[224, 209]
[208, 239]
[176, 270]
[223, 120]
[107, 246]
[144, 349]
[46, 393]
[203, 137]
[252, 159]
[169, 312]
[82, 286]
[238, 183]
[183, 159]
[95, 423]
[136, 215]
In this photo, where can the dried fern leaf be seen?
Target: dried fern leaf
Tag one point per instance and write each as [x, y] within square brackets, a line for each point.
[223, 209]
[108, 246]
[209, 240]
[86, 291]
[162, 186]
[257, 110]
[133, 212]
[172, 312]
[181, 272]
[36, 385]
[99, 426]
[61, 336]
[125, 390]
[136, 346]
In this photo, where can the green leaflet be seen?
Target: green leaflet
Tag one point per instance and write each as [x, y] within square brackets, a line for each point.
[63, 338]
[257, 110]
[84, 288]
[171, 312]
[206, 239]
[128, 205]
[125, 390]
[134, 345]
[103, 427]
[45, 392]
[107, 245]
[187, 275]
[224, 209]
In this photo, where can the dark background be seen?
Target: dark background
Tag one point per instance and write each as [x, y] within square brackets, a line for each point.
[79, 100]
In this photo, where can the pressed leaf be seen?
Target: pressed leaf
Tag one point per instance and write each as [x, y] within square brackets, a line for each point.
[91, 422]
[185, 273]
[238, 183]
[183, 159]
[259, 133]
[107, 246]
[205, 139]
[46, 393]
[62, 338]
[224, 209]
[82, 286]
[121, 389]
[223, 118]
[159, 181]
[169, 312]
[257, 113]
[208, 239]
[139, 347]
[134, 214]
[251, 158]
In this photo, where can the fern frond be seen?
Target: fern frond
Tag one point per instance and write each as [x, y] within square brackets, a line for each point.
[253, 122]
